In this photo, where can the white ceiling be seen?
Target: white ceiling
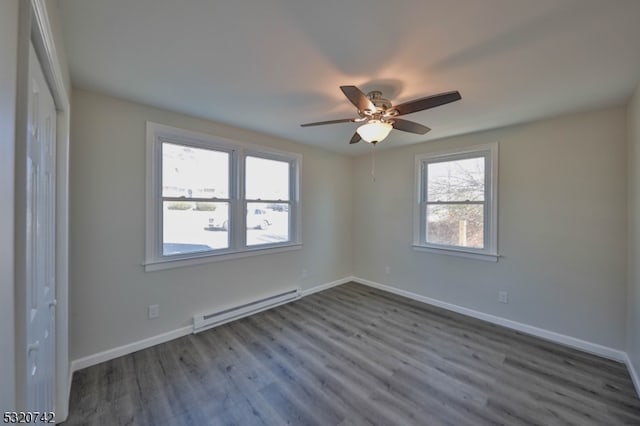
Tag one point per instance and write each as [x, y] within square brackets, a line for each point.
[270, 65]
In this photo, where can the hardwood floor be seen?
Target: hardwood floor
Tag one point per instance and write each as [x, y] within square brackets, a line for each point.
[353, 355]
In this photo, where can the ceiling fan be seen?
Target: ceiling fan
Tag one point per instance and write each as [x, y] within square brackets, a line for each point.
[379, 116]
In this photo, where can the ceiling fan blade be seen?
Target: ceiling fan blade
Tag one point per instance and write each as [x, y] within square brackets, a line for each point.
[359, 99]
[355, 138]
[320, 123]
[409, 126]
[428, 102]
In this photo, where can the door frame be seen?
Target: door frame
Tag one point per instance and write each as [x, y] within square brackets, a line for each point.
[34, 26]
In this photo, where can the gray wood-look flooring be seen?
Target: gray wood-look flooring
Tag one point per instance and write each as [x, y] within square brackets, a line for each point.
[353, 355]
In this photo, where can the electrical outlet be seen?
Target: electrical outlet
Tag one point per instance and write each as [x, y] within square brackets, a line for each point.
[503, 296]
[387, 270]
[305, 273]
[153, 311]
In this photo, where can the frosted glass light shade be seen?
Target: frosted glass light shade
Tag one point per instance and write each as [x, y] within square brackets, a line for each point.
[374, 131]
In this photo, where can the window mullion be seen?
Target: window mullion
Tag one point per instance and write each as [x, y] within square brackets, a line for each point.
[194, 200]
[488, 195]
[423, 206]
[237, 234]
[159, 216]
[265, 201]
[423, 222]
[425, 180]
[293, 191]
[459, 203]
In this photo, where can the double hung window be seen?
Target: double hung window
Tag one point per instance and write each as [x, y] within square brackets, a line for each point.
[212, 199]
[457, 202]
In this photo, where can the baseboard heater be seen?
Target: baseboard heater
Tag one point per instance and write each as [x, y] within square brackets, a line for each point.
[207, 321]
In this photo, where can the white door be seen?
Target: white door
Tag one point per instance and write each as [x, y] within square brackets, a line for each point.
[40, 330]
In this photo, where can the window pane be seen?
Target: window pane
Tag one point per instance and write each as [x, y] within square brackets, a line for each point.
[194, 172]
[456, 225]
[267, 223]
[458, 180]
[267, 179]
[190, 227]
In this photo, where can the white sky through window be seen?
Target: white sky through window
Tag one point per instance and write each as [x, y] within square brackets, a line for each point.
[188, 171]
[267, 179]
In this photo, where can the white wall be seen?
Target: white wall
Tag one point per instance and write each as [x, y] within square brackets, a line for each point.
[633, 300]
[8, 67]
[562, 227]
[110, 290]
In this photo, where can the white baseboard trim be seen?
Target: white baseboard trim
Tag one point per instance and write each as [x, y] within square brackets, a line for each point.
[593, 348]
[119, 351]
[63, 416]
[110, 354]
[326, 286]
[572, 342]
[633, 373]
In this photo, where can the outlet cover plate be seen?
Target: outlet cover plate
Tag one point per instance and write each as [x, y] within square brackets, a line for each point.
[153, 311]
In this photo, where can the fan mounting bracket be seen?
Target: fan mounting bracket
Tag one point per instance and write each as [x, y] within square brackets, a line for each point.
[382, 104]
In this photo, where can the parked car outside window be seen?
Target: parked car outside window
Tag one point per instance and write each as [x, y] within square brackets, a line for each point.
[256, 219]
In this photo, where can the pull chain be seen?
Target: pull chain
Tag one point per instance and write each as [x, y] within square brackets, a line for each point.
[373, 162]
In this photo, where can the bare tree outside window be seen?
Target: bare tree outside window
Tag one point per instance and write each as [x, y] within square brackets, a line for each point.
[455, 202]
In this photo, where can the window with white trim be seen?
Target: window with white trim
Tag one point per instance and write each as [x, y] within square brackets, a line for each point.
[211, 199]
[456, 202]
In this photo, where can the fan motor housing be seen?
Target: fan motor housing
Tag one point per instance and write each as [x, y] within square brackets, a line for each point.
[381, 103]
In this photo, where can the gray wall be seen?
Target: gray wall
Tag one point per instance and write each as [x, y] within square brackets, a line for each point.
[633, 307]
[8, 64]
[110, 290]
[53, 14]
[562, 227]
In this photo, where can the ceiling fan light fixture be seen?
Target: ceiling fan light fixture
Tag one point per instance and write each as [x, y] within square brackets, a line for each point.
[379, 114]
[374, 131]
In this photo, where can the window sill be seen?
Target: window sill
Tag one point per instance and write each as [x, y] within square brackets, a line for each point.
[487, 257]
[159, 265]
